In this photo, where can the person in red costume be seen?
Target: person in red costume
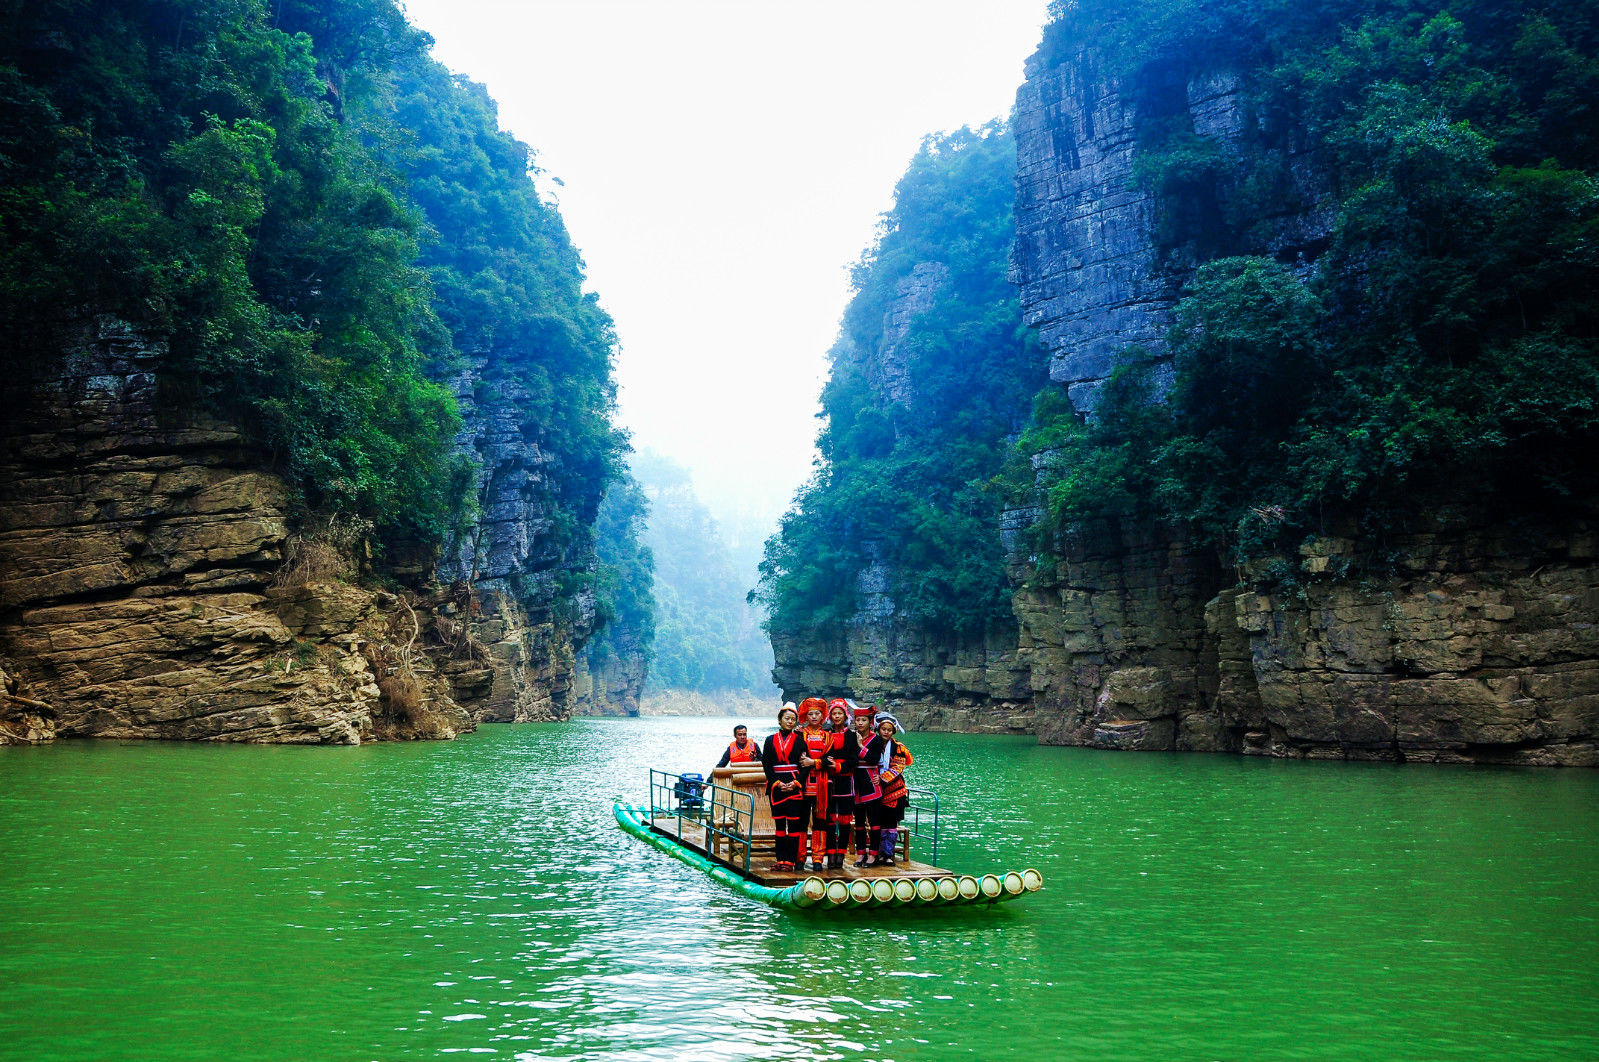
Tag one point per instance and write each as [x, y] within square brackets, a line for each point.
[867, 791]
[839, 763]
[785, 788]
[891, 758]
[817, 742]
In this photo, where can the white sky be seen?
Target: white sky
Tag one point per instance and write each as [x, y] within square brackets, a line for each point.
[723, 163]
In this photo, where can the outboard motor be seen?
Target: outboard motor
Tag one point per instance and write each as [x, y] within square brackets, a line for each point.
[690, 793]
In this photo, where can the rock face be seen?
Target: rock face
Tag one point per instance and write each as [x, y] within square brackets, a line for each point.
[1480, 645]
[1091, 279]
[513, 559]
[144, 589]
[611, 681]
[975, 686]
[1094, 278]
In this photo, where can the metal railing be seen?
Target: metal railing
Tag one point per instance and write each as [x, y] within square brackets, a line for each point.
[725, 815]
[921, 822]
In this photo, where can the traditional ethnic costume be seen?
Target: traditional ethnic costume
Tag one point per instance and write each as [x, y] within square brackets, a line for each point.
[780, 757]
[891, 758]
[843, 751]
[818, 742]
[865, 793]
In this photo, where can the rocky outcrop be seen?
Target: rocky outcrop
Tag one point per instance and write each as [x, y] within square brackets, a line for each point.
[24, 719]
[1091, 279]
[1116, 642]
[610, 680]
[1095, 279]
[152, 586]
[929, 682]
[515, 559]
[1482, 646]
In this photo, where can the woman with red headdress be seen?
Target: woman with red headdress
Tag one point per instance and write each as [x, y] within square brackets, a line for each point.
[817, 742]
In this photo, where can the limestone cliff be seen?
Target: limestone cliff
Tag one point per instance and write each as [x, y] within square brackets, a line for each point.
[1478, 647]
[610, 681]
[512, 559]
[153, 585]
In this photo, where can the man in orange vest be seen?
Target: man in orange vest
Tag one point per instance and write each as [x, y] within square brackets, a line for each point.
[742, 749]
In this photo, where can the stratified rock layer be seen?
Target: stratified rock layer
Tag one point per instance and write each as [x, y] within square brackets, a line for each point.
[515, 559]
[1478, 646]
[144, 594]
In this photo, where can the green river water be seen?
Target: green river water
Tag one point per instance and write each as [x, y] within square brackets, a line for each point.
[182, 901]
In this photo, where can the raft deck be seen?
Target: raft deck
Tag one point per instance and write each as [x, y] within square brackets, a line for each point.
[696, 838]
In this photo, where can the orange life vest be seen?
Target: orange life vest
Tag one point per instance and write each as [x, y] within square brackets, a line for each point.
[748, 754]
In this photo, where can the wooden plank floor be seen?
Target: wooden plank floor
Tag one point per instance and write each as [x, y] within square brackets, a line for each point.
[761, 859]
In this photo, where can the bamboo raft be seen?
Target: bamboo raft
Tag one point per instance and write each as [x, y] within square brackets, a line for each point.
[737, 851]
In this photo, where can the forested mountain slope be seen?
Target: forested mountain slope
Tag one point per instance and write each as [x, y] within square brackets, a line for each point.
[708, 642]
[888, 577]
[284, 313]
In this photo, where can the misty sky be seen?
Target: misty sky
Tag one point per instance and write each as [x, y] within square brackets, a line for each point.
[721, 163]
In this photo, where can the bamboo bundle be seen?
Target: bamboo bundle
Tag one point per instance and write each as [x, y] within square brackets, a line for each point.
[810, 892]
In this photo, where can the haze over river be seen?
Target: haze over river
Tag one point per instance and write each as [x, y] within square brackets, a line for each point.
[407, 901]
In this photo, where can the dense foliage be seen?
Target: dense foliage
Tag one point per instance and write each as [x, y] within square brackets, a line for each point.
[708, 637]
[1438, 339]
[916, 414]
[314, 214]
